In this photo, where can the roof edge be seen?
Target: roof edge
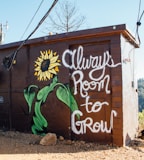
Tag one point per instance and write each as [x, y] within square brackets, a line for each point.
[101, 31]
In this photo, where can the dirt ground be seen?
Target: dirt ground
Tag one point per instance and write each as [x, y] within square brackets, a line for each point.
[20, 146]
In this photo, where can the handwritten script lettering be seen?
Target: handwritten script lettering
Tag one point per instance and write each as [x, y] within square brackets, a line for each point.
[95, 107]
[88, 123]
[97, 81]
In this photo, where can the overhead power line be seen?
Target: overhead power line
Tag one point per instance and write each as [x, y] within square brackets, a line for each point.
[139, 21]
[139, 10]
[32, 18]
[8, 60]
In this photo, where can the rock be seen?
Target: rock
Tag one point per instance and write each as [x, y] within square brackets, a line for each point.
[68, 142]
[49, 139]
[61, 138]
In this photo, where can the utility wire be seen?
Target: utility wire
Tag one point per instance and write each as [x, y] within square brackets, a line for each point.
[32, 19]
[139, 22]
[139, 10]
[8, 60]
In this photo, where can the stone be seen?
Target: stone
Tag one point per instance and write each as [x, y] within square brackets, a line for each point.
[49, 139]
[61, 138]
[68, 142]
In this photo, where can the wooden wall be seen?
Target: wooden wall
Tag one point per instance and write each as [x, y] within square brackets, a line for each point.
[83, 97]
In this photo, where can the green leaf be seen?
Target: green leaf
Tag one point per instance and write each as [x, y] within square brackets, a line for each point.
[29, 94]
[35, 130]
[43, 93]
[64, 94]
[38, 123]
[39, 115]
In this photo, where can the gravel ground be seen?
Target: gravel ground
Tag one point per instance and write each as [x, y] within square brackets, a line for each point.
[20, 146]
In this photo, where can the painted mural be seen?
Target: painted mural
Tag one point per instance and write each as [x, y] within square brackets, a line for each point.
[47, 67]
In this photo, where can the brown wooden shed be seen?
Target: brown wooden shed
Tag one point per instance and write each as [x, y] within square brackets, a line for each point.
[79, 85]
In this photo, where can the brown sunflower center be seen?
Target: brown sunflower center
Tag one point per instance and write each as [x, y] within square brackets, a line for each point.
[45, 65]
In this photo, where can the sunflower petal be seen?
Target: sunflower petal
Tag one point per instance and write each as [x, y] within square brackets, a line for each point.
[53, 65]
[40, 76]
[52, 71]
[35, 73]
[44, 76]
[50, 55]
[40, 59]
[49, 51]
[39, 73]
[38, 63]
[56, 69]
[37, 69]
[48, 74]
[46, 55]
[54, 59]
[42, 55]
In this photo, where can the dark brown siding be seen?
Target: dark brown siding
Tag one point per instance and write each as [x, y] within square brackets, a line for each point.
[97, 89]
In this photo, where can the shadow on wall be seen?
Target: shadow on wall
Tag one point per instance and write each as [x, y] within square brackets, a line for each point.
[128, 139]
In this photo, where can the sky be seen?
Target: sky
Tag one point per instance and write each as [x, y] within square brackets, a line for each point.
[98, 13]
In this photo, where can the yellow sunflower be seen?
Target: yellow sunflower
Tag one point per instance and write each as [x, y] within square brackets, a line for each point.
[46, 65]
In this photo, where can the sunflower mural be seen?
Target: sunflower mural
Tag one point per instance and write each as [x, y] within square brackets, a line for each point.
[46, 68]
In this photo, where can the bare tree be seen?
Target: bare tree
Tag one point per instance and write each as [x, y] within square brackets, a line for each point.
[65, 18]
